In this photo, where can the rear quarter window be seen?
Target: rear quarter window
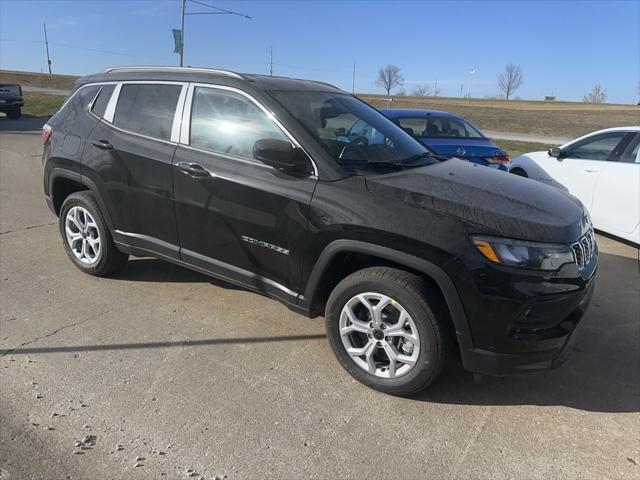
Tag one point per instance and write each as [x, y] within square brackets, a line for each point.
[100, 103]
[77, 103]
[147, 109]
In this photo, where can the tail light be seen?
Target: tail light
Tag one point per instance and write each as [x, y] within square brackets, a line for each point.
[499, 160]
[46, 133]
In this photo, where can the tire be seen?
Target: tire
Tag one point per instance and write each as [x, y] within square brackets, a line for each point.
[103, 257]
[410, 293]
[520, 172]
[14, 113]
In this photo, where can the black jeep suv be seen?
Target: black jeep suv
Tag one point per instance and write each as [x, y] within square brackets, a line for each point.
[247, 178]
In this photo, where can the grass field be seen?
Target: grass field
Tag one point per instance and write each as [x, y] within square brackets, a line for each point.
[42, 80]
[558, 119]
[40, 104]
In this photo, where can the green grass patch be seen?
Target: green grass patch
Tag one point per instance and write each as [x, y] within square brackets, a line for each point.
[515, 149]
[41, 104]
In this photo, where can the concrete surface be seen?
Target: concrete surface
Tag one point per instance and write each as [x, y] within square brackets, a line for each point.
[523, 137]
[170, 370]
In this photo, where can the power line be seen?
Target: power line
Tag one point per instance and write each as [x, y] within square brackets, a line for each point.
[183, 12]
[64, 45]
[221, 11]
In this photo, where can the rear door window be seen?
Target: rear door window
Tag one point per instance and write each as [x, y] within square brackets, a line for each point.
[147, 109]
[100, 103]
[632, 152]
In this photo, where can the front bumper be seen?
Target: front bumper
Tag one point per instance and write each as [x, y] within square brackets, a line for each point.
[520, 320]
[500, 364]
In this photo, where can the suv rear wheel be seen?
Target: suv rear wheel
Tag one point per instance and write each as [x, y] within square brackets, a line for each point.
[384, 332]
[86, 238]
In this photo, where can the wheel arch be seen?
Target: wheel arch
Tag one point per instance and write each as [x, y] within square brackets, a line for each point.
[323, 278]
[63, 182]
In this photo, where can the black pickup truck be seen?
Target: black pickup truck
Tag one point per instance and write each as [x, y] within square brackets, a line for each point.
[11, 101]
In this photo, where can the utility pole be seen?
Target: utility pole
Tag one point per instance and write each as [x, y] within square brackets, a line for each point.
[435, 88]
[46, 43]
[353, 79]
[271, 62]
[182, 32]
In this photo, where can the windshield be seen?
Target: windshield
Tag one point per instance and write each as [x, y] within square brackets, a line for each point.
[353, 133]
[438, 127]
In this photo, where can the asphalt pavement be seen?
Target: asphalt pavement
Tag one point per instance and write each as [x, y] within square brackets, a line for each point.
[161, 372]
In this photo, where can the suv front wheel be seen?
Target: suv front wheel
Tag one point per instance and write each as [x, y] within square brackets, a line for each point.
[384, 332]
[86, 238]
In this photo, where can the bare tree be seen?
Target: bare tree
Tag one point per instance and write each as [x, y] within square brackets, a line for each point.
[510, 80]
[596, 95]
[421, 91]
[389, 77]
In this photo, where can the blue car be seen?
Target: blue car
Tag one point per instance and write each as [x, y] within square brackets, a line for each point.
[449, 135]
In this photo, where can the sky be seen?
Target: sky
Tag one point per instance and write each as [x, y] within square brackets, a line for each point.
[563, 47]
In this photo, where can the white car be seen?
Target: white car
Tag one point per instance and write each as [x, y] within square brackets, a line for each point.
[601, 169]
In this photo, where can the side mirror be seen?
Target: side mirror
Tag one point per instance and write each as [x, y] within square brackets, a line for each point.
[555, 152]
[280, 155]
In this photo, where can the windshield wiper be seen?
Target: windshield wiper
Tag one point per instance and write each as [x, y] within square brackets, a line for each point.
[419, 158]
[373, 163]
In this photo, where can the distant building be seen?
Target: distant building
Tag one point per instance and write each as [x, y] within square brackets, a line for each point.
[549, 98]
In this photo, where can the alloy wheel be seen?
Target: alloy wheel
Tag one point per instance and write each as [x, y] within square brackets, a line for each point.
[82, 235]
[379, 335]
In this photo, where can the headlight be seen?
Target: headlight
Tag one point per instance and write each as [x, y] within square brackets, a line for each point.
[518, 253]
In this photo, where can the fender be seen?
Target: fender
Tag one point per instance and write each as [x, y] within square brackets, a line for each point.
[58, 172]
[458, 315]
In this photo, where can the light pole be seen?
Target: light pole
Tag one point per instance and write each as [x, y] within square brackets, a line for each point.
[184, 2]
[472, 72]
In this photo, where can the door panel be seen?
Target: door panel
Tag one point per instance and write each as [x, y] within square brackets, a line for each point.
[578, 176]
[134, 177]
[244, 220]
[616, 206]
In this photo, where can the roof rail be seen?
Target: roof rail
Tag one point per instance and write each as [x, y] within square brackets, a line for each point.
[172, 69]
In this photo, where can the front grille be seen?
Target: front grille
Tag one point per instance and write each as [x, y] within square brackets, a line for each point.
[583, 250]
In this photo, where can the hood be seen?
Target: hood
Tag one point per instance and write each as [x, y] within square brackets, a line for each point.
[473, 147]
[505, 204]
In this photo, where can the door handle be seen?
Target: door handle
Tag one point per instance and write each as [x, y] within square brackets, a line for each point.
[194, 170]
[591, 170]
[102, 144]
